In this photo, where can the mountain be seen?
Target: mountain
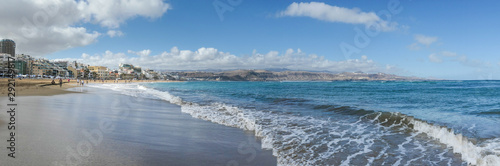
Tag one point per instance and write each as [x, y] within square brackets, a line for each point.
[266, 75]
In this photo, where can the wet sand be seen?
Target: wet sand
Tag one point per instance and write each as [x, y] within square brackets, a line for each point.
[102, 127]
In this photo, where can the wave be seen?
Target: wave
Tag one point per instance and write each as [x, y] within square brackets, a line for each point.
[289, 100]
[490, 112]
[366, 139]
[485, 153]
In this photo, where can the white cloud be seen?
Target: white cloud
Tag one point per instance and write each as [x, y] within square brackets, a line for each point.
[42, 27]
[414, 46]
[211, 58]
[115, 33]
[464, 60]
[325, 12]
[112, 13]
[434, 58]
[425, 40]
[449, 54]
[143, 53]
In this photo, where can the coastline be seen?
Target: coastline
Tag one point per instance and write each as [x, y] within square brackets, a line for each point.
[145, 132]
[43, 87]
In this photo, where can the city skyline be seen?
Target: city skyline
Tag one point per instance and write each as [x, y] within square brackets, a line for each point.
[455, 41]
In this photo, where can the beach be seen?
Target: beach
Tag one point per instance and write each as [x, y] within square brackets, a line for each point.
[43, 87]
[36, 87]
[88, 126]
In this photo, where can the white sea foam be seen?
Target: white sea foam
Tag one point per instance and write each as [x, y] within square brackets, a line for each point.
[484, 154]
[302, 140]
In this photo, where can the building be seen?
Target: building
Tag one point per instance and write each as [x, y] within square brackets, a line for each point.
[137, 69]
[8, 46]
[126, 68]
[21, 67]
[4, 63]
[38, 68]
[128, 71]
[100, 71]
[25, 67]
[64, 66]
[150, 74]
[42, 67]
[73, 73]
[113, 74]
[78, 70]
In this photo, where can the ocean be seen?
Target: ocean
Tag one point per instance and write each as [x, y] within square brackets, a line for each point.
[350, 123]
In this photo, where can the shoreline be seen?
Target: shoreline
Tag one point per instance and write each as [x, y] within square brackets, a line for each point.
[43, 87]
[145, 132]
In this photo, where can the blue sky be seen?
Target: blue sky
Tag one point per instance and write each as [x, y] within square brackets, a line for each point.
[425, 38]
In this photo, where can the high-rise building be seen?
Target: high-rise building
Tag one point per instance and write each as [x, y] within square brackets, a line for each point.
[8, 46]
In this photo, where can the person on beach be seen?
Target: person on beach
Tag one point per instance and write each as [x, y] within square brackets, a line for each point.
[60, 82]
[82, 82]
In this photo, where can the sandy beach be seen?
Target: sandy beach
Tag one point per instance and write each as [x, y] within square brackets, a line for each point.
[43, 87]
[90, 126]
[36, 87]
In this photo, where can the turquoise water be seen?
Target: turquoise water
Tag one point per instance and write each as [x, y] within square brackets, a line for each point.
[469, 107]
[351, 123]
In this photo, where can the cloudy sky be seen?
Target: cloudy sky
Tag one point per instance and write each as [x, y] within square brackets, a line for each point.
[456, 40]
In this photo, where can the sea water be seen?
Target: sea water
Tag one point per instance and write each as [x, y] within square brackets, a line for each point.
[350, 123]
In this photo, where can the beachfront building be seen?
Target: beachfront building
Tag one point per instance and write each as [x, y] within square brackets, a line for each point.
[83, 73]
[38, 68]
[45, 68]
[3, 64]
[100, 71]
[21, 67]
[126, 68]
[137, 69]
[150, 74]
[78, 70]
[124, 76]
[113, 74]
[23, 64]
[72, 72]
[52, 69]
[8, 46]
[64, 66]
[128, 71]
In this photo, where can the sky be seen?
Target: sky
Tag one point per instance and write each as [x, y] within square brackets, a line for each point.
[446, 40]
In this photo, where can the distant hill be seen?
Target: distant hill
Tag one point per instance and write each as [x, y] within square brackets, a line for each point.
[266, 75]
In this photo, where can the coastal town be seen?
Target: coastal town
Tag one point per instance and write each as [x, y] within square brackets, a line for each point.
[253, 83]
[27, 66]
[30, 67]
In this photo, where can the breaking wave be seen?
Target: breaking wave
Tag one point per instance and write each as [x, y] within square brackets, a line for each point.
[365, 138]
